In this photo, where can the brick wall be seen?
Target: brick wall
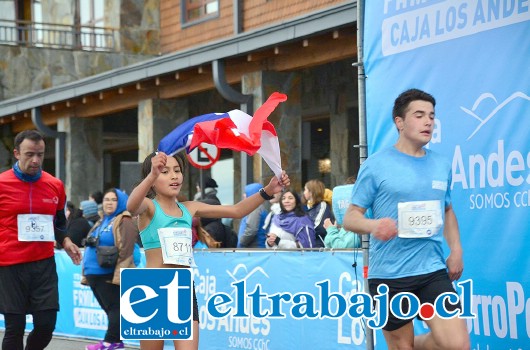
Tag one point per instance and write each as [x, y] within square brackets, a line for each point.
[256, 14]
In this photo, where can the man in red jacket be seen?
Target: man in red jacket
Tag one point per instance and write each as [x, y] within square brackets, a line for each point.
[32, 218]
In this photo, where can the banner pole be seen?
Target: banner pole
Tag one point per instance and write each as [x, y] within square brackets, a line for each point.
[363, 148]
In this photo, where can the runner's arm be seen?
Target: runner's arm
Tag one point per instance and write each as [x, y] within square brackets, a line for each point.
[455, 262]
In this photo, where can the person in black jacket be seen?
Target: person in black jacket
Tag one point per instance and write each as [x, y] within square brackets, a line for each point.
[77, 226]
[317, 208]
[210, 190]
[215, 227]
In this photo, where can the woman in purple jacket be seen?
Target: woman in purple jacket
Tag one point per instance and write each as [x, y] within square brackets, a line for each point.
[292, 228]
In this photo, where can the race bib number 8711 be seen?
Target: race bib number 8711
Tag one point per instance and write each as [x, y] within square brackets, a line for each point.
[156, 304]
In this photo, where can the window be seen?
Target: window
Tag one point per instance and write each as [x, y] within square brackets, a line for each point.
[8, 32]
[92, 20]
[195, 10]
[91, 13]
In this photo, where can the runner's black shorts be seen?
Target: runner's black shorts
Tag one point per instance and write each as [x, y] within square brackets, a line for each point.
[426, 287]
[29, 287]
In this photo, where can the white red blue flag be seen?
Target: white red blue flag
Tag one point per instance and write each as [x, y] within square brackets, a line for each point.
[234, 130]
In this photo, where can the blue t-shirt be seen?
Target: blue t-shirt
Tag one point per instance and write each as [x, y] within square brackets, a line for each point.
[90, 260]
[387, 178]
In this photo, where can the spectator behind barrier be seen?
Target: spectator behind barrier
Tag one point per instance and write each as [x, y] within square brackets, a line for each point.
[116, 228]
[200, 238]
[97, 197]
[251, 231]
[317, 209]
[338, 237]
[77, 226]
[90, 211]
[292, 228]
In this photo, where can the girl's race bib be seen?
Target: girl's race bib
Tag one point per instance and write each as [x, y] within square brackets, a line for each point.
[176, 246]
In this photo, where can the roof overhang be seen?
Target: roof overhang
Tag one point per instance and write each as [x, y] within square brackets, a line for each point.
[241, 44]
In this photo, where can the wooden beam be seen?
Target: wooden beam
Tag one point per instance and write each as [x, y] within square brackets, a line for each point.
[114, 105]
[319, 52]
[260, 55]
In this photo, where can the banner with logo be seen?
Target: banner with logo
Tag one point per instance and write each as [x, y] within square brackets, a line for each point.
[303, 277]
[472, 56]
[314, 281]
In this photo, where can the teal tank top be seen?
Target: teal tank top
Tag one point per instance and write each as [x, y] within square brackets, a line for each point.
[149, 235]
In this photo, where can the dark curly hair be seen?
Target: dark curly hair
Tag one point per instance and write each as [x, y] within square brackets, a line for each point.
[406, 97]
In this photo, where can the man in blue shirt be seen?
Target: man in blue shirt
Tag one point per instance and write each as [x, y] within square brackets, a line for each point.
[407, 188]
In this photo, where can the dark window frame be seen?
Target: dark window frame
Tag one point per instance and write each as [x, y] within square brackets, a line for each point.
[187, 5]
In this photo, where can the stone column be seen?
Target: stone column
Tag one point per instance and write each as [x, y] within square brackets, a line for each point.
[287, 119]
[84, 156]
[6, 149]
[156, 118]
[340, 142]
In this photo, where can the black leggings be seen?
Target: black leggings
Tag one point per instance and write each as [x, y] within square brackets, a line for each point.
[38, 338]
[108, 297]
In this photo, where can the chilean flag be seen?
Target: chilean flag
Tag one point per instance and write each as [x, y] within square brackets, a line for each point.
[234, 130]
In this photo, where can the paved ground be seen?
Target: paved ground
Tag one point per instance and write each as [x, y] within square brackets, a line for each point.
[62, 343]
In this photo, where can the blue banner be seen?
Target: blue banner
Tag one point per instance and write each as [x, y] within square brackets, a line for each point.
[287, 272]
[472, 56]
[80, 315]
[278, 272]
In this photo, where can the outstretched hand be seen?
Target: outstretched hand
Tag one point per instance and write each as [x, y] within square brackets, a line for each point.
[276, 185]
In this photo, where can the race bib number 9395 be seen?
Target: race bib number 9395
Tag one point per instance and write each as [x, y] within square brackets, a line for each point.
[419, 219]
